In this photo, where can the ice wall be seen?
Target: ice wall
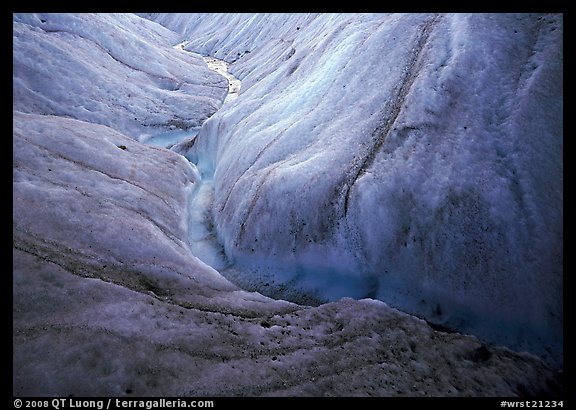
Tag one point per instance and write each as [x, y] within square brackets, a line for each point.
[413, 158]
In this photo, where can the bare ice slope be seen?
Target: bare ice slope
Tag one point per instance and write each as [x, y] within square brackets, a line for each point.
[88, 338]
[101, 205]
[413, 158]
[111, 69]
[109, 299]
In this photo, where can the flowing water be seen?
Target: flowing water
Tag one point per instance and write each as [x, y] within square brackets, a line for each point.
[202, 238]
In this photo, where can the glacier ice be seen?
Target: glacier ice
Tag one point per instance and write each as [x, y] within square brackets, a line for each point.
[110, 299]
[112, 69]
[413, 158]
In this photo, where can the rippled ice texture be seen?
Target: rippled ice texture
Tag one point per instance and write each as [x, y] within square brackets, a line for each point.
[109, 299]
[413, 158]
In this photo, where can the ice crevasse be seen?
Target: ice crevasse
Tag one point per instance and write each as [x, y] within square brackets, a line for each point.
[411, 158]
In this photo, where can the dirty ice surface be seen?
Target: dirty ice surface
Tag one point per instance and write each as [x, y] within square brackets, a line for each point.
[110, 299]
[412, 158]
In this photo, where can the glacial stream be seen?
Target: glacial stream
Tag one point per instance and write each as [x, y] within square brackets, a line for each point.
[201, 236]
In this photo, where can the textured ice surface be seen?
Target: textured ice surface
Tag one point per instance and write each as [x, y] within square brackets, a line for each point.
[221, 67]
[414, 158]
[112, 69]
[168, 139]
[87, 337]
[109, 299]
[102, 205]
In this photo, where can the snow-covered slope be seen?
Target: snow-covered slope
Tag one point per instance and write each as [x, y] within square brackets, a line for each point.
[112, 69]
[413, 158]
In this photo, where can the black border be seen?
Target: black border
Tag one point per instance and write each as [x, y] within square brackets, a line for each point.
[350, 7]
